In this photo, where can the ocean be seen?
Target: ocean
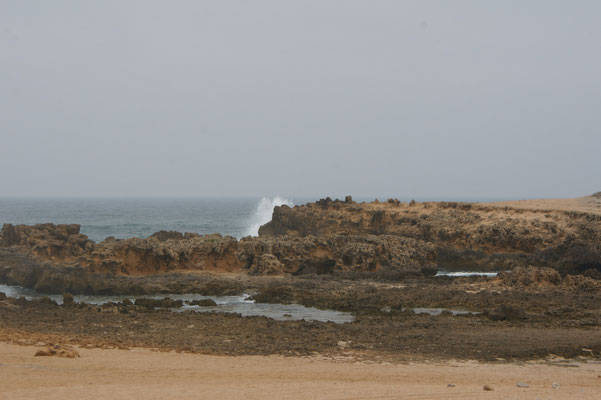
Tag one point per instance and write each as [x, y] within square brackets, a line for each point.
[140, 217]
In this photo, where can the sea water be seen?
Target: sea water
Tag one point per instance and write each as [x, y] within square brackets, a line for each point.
[130, 217]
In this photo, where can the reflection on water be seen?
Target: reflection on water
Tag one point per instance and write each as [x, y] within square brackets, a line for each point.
[228, 304]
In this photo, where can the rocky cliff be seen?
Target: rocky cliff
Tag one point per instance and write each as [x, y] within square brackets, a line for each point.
[63, 245]
[464, 235]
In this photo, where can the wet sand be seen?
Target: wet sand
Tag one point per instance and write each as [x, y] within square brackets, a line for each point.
[141, 373]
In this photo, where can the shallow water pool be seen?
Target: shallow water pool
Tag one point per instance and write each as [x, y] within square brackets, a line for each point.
[227, 304]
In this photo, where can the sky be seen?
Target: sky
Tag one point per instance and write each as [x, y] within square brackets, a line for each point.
[430, 99]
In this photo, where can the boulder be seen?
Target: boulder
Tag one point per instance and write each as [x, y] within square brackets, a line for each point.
[203, 303]
[266, 264]
[8, 235]
[163, 236]
[158, 303]
[68, 299]
[507, 313]
[530, 276]
[62, 351]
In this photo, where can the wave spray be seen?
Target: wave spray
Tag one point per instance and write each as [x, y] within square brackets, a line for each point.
[263, 213]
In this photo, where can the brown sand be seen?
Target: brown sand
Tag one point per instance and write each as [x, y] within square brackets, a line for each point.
[148, 375]
[588, 204]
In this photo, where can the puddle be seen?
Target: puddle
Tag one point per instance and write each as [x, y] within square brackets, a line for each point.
[227, 304]
[280, 312]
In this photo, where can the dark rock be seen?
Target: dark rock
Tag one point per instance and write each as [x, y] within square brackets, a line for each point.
[158, 303]
[45, 301]
[429, 270]
[530, 276]
[21, 301]
[220, 287]
[275, 294]
[8, 235]
[68, 299]
[507, 313]
[324, 202]
[203, 303]
[163, 236]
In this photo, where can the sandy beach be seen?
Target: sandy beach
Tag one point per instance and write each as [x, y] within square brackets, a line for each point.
[142, 373]
[586, 204]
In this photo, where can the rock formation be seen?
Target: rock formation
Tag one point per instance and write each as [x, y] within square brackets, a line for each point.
[57, 257]
[464, 235]
[62, 351]
[327, 236]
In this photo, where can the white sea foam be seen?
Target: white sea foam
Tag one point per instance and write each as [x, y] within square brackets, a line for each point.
[461, 273]
[263, 213]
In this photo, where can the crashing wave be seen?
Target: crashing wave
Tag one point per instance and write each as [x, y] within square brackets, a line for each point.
[263, 213]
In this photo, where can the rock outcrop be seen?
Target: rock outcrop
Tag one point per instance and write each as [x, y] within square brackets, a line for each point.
[464, 235]
[534, 278]
[328, 236]
[57, 257]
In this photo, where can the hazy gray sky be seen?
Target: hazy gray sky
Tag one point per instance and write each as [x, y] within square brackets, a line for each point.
[196, 98]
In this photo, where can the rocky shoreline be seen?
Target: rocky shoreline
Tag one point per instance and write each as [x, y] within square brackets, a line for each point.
[521, 317]
[374, 260]
[389, 241]
[464, 236]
